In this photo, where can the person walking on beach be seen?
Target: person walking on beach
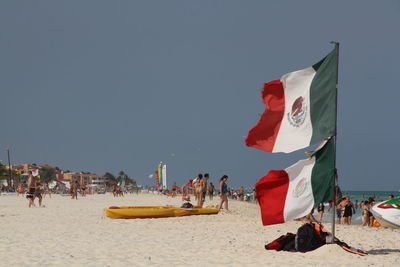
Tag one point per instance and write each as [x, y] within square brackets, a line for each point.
[83, 189]
[211, 189]
[223, 188]
[31, 189]
[74, 190]
[348, 212]
[38, 191]
[339, 210]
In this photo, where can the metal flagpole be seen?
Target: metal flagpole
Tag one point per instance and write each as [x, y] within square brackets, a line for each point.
[335, 182]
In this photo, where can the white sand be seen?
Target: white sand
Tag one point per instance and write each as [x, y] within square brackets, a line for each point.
[75, 232]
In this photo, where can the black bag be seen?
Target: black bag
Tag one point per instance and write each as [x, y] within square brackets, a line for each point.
[187, 205]
[306, 239]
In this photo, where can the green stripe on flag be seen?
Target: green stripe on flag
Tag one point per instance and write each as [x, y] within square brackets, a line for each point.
[323, 98]
[322, 176]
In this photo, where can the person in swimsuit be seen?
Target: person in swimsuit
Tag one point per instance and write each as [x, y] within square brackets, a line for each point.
[46, 190]
[199, 190]
[349, 210]
[74, 190]
[39, 190]
[371, 201]
[339, 210]
[204, 181]
[365, 213]
[30, 195]
[211, 189]
[114, 189]
[321, 209]
[240, 193]
[223, 188]
[83, 189]
[174, 188]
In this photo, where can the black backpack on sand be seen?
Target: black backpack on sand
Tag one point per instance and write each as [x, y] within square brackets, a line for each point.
[306, 239]
[187, 205]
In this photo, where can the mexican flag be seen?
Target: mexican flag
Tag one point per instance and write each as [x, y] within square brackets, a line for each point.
[292, 193]
[300, 108]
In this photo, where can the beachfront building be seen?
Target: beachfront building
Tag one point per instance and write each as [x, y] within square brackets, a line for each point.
[22, 169]
[60, 175]
[83, 178]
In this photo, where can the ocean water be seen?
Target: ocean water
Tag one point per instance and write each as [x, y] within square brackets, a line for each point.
[364, 195]
[357, 197]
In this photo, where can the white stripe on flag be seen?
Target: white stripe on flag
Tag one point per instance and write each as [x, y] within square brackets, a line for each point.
[299, 198]
[292, 135]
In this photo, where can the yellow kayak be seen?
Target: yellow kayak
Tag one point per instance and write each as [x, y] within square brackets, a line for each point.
[137, 212]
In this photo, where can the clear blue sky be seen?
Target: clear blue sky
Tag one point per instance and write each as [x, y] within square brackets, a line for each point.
[121, 85]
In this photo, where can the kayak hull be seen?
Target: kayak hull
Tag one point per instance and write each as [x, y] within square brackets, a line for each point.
[143, 212]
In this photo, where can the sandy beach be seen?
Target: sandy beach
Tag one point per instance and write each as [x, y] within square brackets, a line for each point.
[75, 232]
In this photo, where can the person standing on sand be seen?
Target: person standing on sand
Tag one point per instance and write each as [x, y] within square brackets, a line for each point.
[174, 189]
[184, 189]
[349, 210]
[320, 209]
[371, 201]
[39, 190]
[339, 210]
[254, 196]
[211, 189]
[223, 188]
[114, 189]
[83, 189]
[46, 190]
[31, 189]
[20, 189]
[240, 193]
[199, 190]
[74, 190]
[365, 213]
[204, 181]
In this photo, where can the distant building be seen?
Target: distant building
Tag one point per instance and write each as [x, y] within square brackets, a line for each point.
[61, 176]
[82, 177]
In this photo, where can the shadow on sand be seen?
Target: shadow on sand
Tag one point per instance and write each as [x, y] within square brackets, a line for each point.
[383, 251]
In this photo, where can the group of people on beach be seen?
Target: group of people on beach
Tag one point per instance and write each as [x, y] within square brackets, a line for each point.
[200, 188]
[36, 189]
[345, 209]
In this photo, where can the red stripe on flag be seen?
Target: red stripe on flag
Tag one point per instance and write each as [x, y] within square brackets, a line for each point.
[263, 135]
[271, 193]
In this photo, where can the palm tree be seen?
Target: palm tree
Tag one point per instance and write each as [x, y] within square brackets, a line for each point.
[3, 172]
